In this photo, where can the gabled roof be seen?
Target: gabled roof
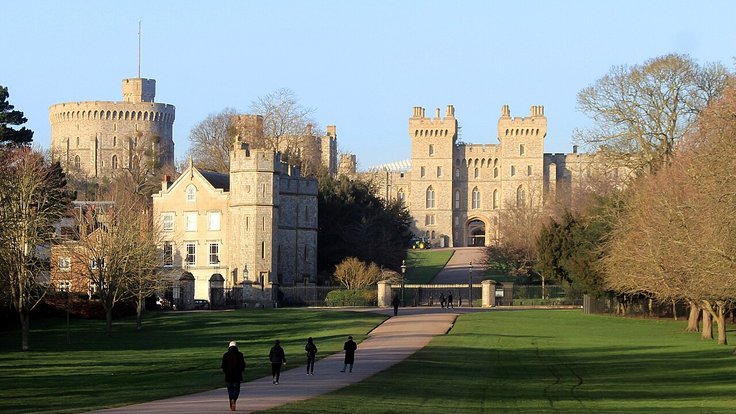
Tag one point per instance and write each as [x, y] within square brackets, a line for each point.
[217, 180]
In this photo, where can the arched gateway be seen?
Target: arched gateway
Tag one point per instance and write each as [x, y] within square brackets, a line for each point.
[476, 231]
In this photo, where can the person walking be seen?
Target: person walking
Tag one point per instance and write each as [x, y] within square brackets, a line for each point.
[311, 349]
[442, 300]
[349, 348]
[396, 303]
[449, 300]
[233, 365]
[277, 358]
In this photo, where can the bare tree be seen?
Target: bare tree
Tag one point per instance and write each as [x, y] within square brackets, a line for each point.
[32, 200]
[354, 274]
[118, 247]
[641, 112]
[211, 139]
[287, 125]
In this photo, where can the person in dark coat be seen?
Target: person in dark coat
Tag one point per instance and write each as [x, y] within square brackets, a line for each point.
[449, 300]
[442, 300]
[396, 303]
[233, 365]
[311, 349]
[277, 358]
[349, 348]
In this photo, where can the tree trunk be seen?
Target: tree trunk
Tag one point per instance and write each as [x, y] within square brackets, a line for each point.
[108, 322]
[25, 330]
[721, 322]
[694, 317]
[138, 309]
[707, 326]
[674, 309]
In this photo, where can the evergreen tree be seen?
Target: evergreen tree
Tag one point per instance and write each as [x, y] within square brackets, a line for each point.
[9, 116]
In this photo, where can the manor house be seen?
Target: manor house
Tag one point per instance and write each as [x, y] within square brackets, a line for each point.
[456, 191]
[256, 225]
[100, 138]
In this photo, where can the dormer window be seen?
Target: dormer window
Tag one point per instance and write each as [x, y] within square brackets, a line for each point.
[191, 193]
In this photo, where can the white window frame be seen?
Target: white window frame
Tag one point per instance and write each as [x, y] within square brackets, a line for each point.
[167, 221]
[214, 220]
[476, 198]
[191, 220]
[190, 255]
[191, 194]
[214, 258]
[168, 254]
[64, 285]
[65, 264]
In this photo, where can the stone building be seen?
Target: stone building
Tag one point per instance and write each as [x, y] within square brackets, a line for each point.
[256, 225]
[98, 138]
[455, 191]
[314, 150]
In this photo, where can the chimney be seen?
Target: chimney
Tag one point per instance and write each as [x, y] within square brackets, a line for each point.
[165, 183]
[574, 149]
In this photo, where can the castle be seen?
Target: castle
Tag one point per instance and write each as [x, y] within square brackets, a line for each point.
[456, 191]
[256, 225]
[100, 138]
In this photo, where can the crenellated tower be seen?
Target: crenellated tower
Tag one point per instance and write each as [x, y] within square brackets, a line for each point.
[432, 143]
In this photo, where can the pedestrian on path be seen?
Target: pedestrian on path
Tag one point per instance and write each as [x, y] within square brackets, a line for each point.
[396, 302]
[233, 365]
[349, 348]
[442, 300]
[311, 349]
[449, 300]
[277, 358]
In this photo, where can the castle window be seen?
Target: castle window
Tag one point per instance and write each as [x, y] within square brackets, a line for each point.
[263, 250]
[432, 236]
[213, 218]
[520, 197]
[457, 220]
[513, 170]
[528, 170]
[457, 198]
[247, 223]
[191, 219]
[191, 193]
[476, 173]
[495, 172]
[439, 171]
[115, 127]
[214, 253]
[495, 199]
[64, 285]
[421, 171]
[168, 254]
[521, 149]
[77, 163]
[400, 196]
[115, 141]
[77, 141]
[457, 173]
[191, 258]
[429, 220]
[114, 162]
[430, 197]
[167, 221]
[431, 150]
[476, 198]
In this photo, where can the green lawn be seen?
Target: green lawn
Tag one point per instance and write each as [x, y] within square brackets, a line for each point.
[549, 362]
[423, 265]
[175, 353]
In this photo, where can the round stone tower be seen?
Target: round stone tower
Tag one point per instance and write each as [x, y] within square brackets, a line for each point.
[101, 138]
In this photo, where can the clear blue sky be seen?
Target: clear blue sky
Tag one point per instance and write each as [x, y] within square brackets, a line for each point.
[362, 65]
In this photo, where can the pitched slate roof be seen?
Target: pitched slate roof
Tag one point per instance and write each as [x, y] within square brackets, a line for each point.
[217, 180]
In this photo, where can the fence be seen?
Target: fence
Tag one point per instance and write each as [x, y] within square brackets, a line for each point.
[309, 295]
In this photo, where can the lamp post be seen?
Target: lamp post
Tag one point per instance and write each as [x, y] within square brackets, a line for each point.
[403, 280]
[470, 285]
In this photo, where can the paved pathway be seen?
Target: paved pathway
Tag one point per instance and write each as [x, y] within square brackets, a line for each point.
[391, 342]
[456, 270]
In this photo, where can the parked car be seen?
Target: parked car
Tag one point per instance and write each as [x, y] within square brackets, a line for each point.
[201, 304]
[420, 243]
[163, 304]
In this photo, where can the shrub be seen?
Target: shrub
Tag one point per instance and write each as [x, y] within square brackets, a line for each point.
[352, 297]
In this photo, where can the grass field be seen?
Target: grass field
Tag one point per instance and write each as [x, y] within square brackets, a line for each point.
[175, 353]
[423, 265]
[549, 362]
